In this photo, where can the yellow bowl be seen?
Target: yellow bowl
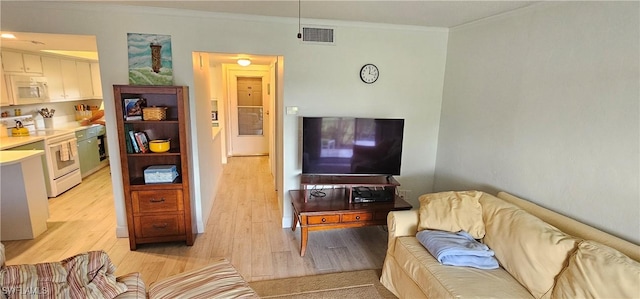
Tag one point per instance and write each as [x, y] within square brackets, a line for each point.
[159, 146]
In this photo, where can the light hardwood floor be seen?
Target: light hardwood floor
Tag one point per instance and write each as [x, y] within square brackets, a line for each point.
[244, 226]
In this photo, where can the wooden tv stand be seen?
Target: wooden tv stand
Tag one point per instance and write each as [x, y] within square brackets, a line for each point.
[347, 182]
[335, 209]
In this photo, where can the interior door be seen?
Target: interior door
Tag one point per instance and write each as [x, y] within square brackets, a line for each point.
[249, 106]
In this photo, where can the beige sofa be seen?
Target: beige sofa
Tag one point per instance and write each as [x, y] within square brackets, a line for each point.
[91, 275]
[542, 254]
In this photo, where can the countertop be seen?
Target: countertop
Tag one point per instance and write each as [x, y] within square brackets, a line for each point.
[39, 135]
[12, 157]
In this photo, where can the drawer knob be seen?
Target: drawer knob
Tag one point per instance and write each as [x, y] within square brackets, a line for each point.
[160, 226]
[324, 219]
[357, 217]
[157, 200]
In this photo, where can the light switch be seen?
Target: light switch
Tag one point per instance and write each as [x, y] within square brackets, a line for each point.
[291, 110]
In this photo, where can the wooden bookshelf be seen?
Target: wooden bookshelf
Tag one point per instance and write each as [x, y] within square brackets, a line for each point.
[156, 212]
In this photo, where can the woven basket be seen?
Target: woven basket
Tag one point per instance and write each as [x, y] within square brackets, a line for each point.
[154, 113]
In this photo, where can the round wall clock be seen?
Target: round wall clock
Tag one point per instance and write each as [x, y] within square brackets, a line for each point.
[369, 73]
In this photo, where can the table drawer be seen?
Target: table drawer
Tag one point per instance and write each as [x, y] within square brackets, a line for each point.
[160, 225]
[323, 219]
[157, 201]
[355, 217]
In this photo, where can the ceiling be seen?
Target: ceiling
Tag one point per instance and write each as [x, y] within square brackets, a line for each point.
[417, 12]
[414, 13]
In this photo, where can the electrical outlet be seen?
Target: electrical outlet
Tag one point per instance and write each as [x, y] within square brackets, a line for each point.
[404, 193]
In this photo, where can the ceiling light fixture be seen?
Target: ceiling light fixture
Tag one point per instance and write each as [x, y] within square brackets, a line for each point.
[8, 35]
[244, 62]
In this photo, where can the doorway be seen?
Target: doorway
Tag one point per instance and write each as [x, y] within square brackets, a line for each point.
[249, 107]
[223, 89]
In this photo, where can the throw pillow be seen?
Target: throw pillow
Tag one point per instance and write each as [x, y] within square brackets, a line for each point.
[45, 280]
[598, 271]
[452, 211]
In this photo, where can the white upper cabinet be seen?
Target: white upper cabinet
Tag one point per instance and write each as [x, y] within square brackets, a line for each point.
[96, 81]
[16, 62]
[4, 97]
[68, 80]
[32, 63]
[53, 72]
[84, 79]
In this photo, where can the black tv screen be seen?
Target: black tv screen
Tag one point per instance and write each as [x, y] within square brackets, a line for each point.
[343, 145]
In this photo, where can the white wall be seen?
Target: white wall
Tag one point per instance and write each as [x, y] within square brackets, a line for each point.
[544, 103]
[320, 80]
[208, 176]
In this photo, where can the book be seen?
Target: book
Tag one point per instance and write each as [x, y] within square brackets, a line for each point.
[127, 140]
[143, 141]
[134, 142]
[133, 108]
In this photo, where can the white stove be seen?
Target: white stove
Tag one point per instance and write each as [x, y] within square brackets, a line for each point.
[9, 123]
[62, 169]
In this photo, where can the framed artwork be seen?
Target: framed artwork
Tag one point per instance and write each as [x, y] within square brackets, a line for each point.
[150, 61]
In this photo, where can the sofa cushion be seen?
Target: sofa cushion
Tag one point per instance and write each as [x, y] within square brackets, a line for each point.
[441, 281]
[135, 286]
[91, 275]
[532, 250]
[598, 271]
[217, 280]
[452, 211]
[44, 280]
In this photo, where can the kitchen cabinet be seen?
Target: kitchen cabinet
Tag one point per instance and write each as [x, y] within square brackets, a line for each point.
[16, 62]
[84, 79]
[96, 81]
[68, 80]
[4, 96]
[89, 150]
[53, 71]
[156, 212]
[24, 208]
[36, 146]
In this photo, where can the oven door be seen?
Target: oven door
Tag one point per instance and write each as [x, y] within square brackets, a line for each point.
[63, 156]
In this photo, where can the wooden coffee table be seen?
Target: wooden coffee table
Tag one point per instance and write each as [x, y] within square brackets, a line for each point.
[333, 210]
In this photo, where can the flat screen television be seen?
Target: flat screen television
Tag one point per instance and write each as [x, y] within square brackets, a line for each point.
[346, 145]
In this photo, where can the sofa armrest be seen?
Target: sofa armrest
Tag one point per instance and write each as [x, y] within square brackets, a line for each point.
[401, 224]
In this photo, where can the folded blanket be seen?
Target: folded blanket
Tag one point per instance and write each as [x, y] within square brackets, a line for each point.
[457, 249]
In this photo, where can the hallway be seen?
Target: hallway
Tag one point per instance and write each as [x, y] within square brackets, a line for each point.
[244, 226]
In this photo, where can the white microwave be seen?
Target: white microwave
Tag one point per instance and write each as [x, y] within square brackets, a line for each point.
[27, 89]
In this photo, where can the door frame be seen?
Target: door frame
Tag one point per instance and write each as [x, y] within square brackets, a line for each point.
[231, 73]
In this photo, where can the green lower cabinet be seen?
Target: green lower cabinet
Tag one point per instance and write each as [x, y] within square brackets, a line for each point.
[89, 155]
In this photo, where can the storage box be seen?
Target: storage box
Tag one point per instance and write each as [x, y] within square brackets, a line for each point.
[160, 174]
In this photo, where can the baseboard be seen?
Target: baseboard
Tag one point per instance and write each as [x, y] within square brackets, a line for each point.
[122, 232]
[199, 227]
[286, 222]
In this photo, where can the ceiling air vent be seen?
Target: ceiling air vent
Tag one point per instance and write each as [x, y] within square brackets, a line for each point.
[318, 35]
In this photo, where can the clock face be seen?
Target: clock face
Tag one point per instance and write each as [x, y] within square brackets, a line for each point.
[369, 73]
